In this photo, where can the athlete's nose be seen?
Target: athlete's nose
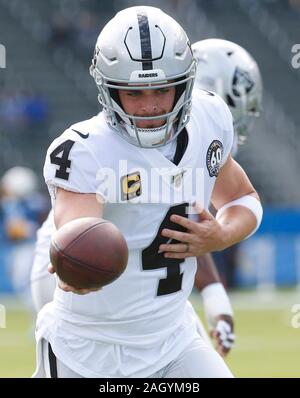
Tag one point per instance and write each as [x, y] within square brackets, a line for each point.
[149, 105]
[149, 109]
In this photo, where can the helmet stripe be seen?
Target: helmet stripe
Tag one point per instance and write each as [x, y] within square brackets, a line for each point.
[146, 49]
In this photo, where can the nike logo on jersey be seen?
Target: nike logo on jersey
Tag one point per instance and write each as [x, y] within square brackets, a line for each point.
[84, 136]
[208, 92]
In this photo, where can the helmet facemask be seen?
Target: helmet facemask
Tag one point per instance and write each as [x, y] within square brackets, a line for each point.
[126, 125]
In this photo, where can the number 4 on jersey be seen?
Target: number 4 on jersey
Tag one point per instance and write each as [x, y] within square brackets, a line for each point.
[152, 260]
[60, 156]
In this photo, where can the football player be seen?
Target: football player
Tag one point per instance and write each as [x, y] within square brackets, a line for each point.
[42, 283]
[143, 325]
[229, 70]
[21, 208]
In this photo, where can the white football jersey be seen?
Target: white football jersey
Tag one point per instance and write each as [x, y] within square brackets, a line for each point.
[140, 322]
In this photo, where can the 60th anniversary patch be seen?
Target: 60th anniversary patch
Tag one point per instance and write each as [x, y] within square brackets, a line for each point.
[214, 158]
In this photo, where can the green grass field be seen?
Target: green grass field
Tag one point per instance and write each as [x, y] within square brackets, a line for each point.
[17, 345]
[267, 345]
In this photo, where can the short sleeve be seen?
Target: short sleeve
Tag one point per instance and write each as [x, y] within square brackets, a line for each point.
[213, 109]
[70, 165]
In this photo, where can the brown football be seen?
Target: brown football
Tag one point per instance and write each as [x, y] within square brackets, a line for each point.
[88, 253]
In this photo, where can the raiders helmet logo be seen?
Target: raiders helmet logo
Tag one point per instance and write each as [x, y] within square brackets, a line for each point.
[214, 158]
[241, 82]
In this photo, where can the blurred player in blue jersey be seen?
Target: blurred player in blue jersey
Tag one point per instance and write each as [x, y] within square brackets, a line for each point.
[23, 209]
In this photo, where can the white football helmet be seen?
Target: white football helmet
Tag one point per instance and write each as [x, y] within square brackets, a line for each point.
[229, 70]
[139, 48]
[19, 182]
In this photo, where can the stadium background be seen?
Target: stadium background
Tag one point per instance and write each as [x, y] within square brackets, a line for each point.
[46, 87]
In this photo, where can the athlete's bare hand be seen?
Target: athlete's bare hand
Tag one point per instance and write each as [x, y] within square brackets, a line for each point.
[203, 236]
[67, 288]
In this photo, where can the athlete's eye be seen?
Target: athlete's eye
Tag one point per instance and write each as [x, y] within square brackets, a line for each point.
[132, 93]
[163, 90]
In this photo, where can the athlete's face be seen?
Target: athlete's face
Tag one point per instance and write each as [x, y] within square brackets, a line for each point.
[154, 102]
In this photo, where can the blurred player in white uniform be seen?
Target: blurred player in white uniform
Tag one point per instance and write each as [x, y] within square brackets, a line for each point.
[229, 70]
[42, 282]
[20, 206]
[220, 62]
[142, 325]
